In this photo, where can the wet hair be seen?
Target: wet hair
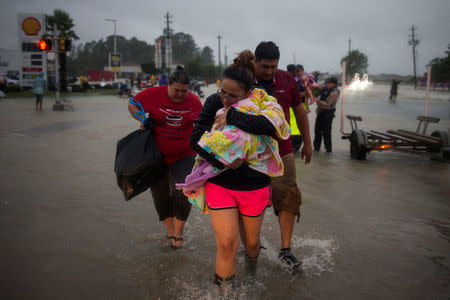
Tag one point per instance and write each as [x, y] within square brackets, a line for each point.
[267, 50]
[300, 68]
[179, 76]
[291, 69]
[242, 70]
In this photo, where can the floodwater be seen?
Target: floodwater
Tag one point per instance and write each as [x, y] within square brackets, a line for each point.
[370, 229]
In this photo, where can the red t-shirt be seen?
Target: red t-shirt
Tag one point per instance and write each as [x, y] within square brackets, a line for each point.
[286, 92]
[172, 122]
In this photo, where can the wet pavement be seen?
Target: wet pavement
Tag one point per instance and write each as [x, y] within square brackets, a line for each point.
[370, 229]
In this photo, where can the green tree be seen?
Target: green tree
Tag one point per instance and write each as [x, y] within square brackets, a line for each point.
[184, 47]
[207, 55]
[94, 55]
[195, 66]
[63, 23]
[357, 62]
[149, 68]
[440, 67]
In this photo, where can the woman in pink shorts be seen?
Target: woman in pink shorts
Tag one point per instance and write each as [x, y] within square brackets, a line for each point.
[237, 197]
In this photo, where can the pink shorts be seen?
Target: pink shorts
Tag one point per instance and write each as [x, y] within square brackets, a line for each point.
[249, 203]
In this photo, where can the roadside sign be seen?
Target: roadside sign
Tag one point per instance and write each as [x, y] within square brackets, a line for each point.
[115, 62]
[32, 59]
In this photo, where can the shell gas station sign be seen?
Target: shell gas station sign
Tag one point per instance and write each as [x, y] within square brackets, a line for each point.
[32, 59]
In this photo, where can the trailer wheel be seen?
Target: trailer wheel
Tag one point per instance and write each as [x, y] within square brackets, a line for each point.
[358, 142]
[442, 135]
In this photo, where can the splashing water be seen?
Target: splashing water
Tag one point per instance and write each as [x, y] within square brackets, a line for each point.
[360, 84]
[320, 254]
[316, 254]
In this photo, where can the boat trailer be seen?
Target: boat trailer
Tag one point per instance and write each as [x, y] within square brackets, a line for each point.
[363, 141]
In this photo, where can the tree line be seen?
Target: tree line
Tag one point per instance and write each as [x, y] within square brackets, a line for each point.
[94, 55]
[440, 67]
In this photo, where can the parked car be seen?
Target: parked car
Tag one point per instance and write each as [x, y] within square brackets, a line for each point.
[12, 80]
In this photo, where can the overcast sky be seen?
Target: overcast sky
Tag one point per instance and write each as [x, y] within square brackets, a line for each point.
[315, 33]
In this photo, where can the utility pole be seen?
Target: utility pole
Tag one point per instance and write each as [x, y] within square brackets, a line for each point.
[226, 57]
[414, 42]
[168, 44]
[115, 44]
[293, 55]
[56, 51]
[220, 63]
[349, 57]
[349, 47]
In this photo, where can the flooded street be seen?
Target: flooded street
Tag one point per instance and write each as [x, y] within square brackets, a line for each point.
[370, 229]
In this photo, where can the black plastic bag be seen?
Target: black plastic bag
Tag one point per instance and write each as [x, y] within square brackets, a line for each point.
[138, 164]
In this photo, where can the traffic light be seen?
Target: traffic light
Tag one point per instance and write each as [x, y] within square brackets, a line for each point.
[65, 45]
[45, 45]
[68, 45]
[62, 45]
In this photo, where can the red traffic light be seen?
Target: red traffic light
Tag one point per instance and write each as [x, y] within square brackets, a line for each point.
[45, 45]
[42, 45]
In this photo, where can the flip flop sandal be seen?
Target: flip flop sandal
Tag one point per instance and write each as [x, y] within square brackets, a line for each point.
[176, 239]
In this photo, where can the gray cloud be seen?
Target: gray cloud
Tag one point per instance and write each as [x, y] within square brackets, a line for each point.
[315, 32]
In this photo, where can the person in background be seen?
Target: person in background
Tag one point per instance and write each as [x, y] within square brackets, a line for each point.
[295, 132]
[162, 80]
[39, 86]
[82, 79]
[173, 111]
[125, 89]
[139, 82]
[307, 84]
[394, 88]
[286, 196]
[326, 107]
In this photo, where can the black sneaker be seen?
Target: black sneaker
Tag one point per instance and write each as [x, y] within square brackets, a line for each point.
[289, 259]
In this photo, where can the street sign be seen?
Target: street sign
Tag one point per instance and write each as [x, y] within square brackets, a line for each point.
[115, 62]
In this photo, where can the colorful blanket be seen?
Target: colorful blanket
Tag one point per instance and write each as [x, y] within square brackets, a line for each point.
[258, 151]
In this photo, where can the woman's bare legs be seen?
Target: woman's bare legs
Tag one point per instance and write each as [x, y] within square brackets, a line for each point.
[226, 227]
[250, 230]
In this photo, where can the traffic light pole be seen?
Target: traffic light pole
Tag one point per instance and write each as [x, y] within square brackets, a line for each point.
[55, 51]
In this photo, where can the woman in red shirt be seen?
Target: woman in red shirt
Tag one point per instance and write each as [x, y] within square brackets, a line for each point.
[173, 111]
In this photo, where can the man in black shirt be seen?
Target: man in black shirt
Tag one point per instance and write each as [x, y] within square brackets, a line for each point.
[394, 88]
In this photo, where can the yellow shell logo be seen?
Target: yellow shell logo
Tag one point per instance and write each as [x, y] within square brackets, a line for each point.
[31, 26]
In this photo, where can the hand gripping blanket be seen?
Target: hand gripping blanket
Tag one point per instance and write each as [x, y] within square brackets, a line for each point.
[260, 152]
